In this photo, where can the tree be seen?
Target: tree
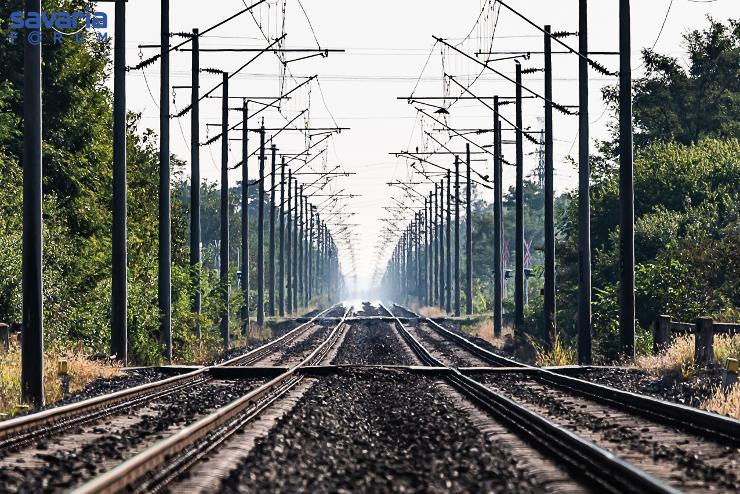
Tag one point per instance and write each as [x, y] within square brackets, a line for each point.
[686, 104]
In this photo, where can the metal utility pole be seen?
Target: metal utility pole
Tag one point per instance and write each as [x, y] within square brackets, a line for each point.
[427, 252]
[430, 251]
[417, 254]
[441, 213]
[195, 235]
[468, 238]
[550, 320]
[306, 249]
[281, 270]
[224, 256]
[271, 254]
[584, 191]
[301, 285]
[32, 341]
[448, 276]
[164, 289]
[408, 261]
[119, 305]
[317, 268]
[288, 244]
[519, 268]
[325, 260]
[626, 189]
[296, 236]
[435, 291]
[261, 234]
[309, 251]
[245, 218]
[457, 236]
[498, 278]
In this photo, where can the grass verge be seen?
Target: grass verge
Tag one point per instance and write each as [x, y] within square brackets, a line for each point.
[679, 355]
[81, 370]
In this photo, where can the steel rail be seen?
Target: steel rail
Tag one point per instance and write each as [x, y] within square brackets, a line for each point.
[712, 426]
[22, 430]
[166, 460]
[264, 350]
[583, 458]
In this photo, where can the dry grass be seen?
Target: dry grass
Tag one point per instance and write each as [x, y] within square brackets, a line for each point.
[81, 371]
[724, 403]
[726, 346]
[679, 356]
[432, 312]
[484, 330]
[559, 354]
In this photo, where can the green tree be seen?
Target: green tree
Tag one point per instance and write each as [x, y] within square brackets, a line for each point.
[686, 104]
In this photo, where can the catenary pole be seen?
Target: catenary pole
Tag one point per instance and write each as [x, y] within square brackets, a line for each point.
[310, 251]
[427, 257]
[119, 305]
[448, 238]
[519, 192]
[288, 244]
[584, 201]
[296, 233]
[164, 288]
[301, 285]
[550, 320]
[441, 212]
[497, 223]
[281, 261]
[457, 236]
[435, 242]
[468, 237]
[418, 246]
[195, 231]
[32, 340]
[306, 252]
[224, 244]
[271, 242]
[245, 218]
[261, 233]
[626, 188]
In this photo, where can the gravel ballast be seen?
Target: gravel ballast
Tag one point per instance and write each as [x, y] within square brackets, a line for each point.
[364, 431]
[372, 343]
[58, 463]
[670, 387]
[683, 460]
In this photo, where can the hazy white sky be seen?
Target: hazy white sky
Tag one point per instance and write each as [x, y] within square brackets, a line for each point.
[387, 44]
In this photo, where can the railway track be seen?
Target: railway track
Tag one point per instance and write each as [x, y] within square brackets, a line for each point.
[154, 468]
[685, 448]
[381, 400]
[144, 412]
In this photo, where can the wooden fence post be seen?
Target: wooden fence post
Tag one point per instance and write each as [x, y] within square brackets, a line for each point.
[704, 341]
[4, 338]
[662, 333]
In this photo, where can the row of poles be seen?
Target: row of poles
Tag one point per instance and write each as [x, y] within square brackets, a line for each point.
[308, 256]
[421, 244]
[421, 265]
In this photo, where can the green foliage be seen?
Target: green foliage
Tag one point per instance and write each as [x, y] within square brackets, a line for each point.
[686, 236]
[687, 201]
[77, 171]
[686, 105]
